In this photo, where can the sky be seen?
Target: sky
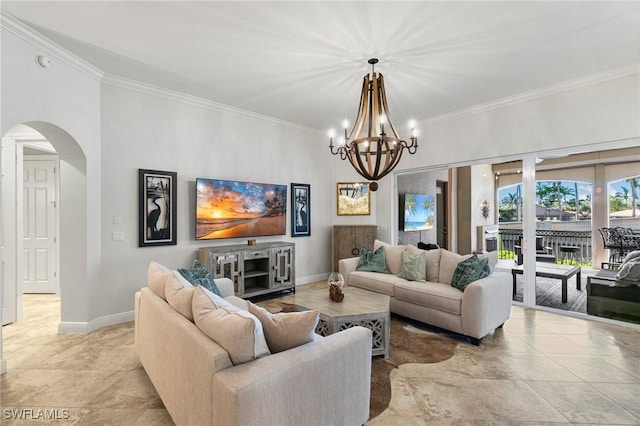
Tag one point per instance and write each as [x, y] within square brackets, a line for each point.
[584, 188]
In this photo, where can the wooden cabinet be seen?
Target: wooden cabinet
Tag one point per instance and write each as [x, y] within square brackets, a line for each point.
[255, 270]
[347, 240]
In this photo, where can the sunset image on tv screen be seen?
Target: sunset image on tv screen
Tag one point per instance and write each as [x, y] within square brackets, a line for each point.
[233, 209]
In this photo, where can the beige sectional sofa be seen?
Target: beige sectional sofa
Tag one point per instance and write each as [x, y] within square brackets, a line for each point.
[483, 306]
[199, 384]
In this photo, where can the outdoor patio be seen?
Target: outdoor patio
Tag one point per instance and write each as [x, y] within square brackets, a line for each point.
[568, 241]
[548, 290]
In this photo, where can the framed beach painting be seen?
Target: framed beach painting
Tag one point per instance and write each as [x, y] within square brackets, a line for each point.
[157, 218]
[300, 210]
[353, 199]
[419, 212]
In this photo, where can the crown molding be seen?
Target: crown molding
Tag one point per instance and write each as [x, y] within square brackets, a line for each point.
[150, 89]
[537, 93]
[31, 36]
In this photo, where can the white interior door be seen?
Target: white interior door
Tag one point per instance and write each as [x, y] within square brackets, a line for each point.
[39, 259]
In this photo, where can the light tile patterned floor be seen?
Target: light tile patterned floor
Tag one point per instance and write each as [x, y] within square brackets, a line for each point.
[541, 368]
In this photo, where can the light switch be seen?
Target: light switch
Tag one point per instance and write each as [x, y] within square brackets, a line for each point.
[116, 220]
[117, 236]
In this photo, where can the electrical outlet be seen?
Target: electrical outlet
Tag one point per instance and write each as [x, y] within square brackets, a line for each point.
[117, 236]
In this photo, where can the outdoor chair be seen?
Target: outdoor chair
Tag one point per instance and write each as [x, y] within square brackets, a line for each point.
[628, 239]
[543, 253]
[612, 240]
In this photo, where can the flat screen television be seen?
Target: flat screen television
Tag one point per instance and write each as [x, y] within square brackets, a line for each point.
[233, 209]
[419, 212]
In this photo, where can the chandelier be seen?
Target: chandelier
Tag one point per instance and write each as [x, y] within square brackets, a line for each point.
[373, 146]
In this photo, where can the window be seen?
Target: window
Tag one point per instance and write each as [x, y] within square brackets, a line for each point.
[561, 200]
[624, 197]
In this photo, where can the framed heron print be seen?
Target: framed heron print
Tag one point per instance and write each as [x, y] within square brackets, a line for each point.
[157, 208]
[300, 210]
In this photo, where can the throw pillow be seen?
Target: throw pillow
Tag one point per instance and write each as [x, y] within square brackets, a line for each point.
[286, 330]
[372, 261]
[631, 256]
[237, 302]
[468, 271]
[492, 257]
[199, 275]
[156, 276]
[179, 294]
[238, 332]
[630, 270]
[413, 268]
[391, 255]
[433, 262]
[448, 263]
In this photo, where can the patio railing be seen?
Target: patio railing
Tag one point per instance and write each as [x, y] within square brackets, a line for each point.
[507, 238]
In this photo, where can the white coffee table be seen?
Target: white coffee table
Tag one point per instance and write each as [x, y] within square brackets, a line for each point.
[359, 307]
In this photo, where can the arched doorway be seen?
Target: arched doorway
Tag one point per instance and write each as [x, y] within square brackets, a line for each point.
[72, 199]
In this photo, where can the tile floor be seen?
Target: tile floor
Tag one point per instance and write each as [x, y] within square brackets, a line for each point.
[541, 368]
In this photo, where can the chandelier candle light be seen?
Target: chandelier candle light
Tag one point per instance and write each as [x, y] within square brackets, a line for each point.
[372, 152]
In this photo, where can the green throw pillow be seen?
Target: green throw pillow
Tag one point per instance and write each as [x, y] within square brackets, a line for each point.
[199, 275]
[372, 261]
[468, 271]
[413, 268]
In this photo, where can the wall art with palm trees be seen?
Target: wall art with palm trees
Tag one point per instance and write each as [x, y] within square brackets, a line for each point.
[157, 208]
[419, 212]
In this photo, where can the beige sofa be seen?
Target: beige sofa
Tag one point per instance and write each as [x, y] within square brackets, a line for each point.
[325, 382]
[484, 305]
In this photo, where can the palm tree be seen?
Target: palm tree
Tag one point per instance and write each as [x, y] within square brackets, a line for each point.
[410, 205]
[576, 200]
[635, 185]
[562, 192]
[513, 201]
[510, 201]
[428, 204]
[519, 203]
[544, 195]
[428, 207]
[624, 196]
[585, 207]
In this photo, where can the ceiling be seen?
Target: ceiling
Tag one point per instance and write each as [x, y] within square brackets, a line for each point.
[304, 61]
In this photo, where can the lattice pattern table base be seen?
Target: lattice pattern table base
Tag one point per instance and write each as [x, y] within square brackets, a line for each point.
[378, 326]
[359, 308]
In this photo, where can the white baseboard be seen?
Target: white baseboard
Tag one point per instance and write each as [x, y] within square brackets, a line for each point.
[3, 366]
[69, 327]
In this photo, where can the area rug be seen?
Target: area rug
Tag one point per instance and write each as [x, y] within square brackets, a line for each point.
[410, 342]
[549, 294]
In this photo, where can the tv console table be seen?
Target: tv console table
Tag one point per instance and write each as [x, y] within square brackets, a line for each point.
[255, 270]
